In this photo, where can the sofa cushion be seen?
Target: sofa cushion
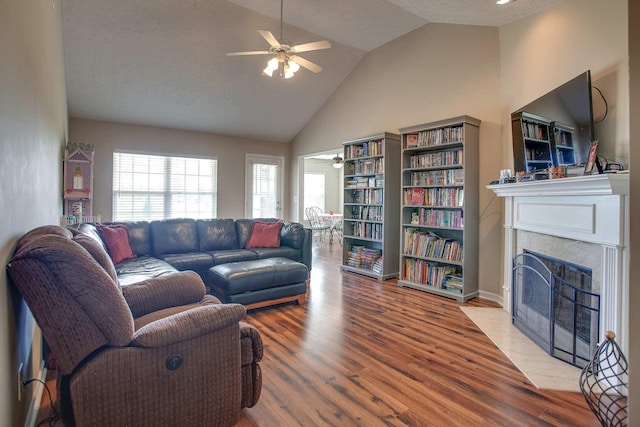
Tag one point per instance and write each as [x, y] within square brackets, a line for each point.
[174, 236]
[233, 255]
[139, 237]
[116, 237]
[91, 231]
[244, 227]
[142, 268]
[217, 234]
[195, 261]
[264, 235]
[292, 235]
[282, 251]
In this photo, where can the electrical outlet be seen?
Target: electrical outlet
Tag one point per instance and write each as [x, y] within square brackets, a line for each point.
[20, 381]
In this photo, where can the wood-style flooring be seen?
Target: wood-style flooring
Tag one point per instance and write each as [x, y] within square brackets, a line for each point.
[368, 353]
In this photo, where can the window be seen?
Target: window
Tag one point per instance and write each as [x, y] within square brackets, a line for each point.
[148, 187]
[314, 190]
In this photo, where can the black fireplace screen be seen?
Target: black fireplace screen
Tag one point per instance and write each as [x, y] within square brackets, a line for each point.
[554, 306]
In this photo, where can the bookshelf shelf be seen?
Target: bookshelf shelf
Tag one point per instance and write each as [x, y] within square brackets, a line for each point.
[439, 211]
[370, 233]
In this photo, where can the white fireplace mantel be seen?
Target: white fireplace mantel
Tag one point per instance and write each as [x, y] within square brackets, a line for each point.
[592, 209]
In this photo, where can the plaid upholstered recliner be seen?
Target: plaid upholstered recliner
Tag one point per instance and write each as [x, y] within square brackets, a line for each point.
[155, 353]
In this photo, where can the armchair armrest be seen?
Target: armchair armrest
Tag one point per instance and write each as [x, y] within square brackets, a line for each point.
[188, 324]
[175, 289]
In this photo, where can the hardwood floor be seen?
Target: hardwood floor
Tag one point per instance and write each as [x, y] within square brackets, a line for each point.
[369, 353]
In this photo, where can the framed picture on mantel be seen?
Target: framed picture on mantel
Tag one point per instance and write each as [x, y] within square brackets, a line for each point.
[592, 164]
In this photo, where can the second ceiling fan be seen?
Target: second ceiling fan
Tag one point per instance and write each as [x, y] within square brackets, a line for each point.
[285, 58]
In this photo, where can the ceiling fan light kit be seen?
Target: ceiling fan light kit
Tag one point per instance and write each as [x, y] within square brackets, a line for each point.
[338, 162]
[285, 58]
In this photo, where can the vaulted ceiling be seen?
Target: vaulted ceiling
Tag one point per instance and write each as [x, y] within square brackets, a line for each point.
[163, 62]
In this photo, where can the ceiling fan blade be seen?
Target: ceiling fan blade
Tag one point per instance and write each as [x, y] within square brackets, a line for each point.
[307, 64]
[249, 52]
[311, 46]
[269, 38]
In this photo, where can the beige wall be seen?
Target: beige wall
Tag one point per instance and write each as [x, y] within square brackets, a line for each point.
[435, 72]
[33, 117]
[229, 151]
[634, 159]
[541, 52]
[440, 71]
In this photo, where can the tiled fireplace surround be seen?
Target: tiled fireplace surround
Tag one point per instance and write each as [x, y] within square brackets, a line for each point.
[583, 220]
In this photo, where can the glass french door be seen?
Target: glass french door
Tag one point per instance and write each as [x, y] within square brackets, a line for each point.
[264, 186]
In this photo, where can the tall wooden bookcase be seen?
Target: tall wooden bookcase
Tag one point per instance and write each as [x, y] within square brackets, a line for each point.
[439, 213]
[371, 200]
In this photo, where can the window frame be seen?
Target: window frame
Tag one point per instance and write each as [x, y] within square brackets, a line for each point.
[174, 185]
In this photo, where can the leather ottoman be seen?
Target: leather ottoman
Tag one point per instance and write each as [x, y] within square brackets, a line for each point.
[259, 283]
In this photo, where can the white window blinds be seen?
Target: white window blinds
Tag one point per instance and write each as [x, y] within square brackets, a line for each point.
[148, 187]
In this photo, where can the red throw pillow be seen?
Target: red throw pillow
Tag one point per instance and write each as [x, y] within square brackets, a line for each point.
[265, 235]
[116, 237]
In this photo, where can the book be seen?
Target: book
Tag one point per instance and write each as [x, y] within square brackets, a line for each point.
[412, 140]
[417, 196]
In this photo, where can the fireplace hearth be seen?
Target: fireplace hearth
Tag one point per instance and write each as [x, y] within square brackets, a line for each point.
[554, 306]
[582, 219]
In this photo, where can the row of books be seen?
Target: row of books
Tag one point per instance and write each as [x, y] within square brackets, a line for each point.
[427, 244]
[366, 149]
[539, 154]
[434, 196]
[535, 130]
[372, 213]
[377, 266]
[438, 218]
[435, 137]
[425, 272]
[440, 158]
[453, 283]
[368, 196]
[365, 230]
[364, 182]
[438, 177]
[360, 256]
[366, 167]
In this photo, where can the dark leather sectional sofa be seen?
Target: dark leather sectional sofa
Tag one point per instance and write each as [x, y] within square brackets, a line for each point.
[170, 245]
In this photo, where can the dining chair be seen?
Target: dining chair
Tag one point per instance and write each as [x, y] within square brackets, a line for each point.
[318, 227]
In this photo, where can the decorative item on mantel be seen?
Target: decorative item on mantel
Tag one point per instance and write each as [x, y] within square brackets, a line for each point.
[604, 382]
[78, 184]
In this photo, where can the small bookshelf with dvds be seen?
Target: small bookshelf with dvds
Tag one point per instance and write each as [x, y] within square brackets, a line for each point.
[370, 223]
[439, 207]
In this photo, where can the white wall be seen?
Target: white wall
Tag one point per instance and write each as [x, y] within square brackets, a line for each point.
[108, 136]
[332, 185]
[33, 122]
[435, 72]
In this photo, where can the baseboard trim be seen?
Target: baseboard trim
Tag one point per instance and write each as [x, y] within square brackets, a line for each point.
[36, 397]
[490, 296]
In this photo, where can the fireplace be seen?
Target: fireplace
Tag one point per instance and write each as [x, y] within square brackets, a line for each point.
[583, 220]
[553, 304]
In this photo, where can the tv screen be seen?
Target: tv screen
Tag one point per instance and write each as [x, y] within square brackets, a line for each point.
[555, 129]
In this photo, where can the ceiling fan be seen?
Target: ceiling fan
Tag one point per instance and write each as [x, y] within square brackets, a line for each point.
[285, 58]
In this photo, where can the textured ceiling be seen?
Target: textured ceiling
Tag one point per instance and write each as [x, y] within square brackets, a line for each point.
[163, 63]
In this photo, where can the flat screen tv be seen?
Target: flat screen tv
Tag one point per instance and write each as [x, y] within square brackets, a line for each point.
[555, 129]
